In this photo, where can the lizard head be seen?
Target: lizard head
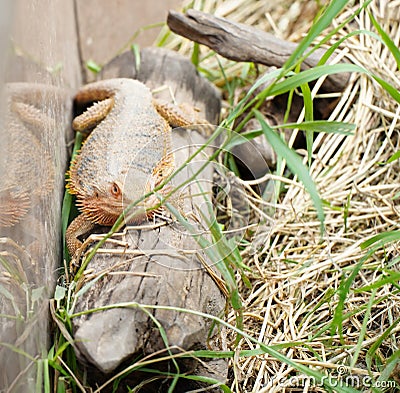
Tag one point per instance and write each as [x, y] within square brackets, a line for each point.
[103, 205]
[109, 192]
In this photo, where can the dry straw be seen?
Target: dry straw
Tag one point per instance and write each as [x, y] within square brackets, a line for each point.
[297, 273]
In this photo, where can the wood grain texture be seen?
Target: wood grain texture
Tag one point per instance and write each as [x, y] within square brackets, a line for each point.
[239, 42]
[106, 27]
[172, 75]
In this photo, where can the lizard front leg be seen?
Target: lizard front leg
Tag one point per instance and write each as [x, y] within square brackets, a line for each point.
[78, 227]
[14, 204]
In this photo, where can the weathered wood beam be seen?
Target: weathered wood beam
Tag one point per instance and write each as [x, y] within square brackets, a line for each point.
[240, 42]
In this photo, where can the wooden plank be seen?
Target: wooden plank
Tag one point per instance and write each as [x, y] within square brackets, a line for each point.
[35, 119]
[45, 38]
[106, 27]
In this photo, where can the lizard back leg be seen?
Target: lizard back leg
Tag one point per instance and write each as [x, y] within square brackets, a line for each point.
[33, 116]
[182, 115]
[89, 119]
[79, 226]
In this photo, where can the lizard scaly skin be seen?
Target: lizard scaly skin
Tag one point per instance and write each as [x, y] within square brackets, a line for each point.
[126, 155]
[27, 169]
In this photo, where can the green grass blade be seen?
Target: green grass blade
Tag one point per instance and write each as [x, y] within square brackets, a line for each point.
[391, 278]
[164, 337]
[270, 350]
[46, 376]
[164, 38]
[363, 331]
[261, 81]
[308, 103]
[294, 163]
[39, 377]
[68, 198]
[93, 66]
[221, 254]
[17, 350]
[343, 292]
[61, 385]
[60, 351]
[199, 378]
[391, 363]
[316, 29]
[135, 48]
[374, 347]
[246, 102]
[326, 298]
[87, 286]
[288, 105]
[195, 58]
[328, 127]
[381, 239]
[237, 139]
[387, 40]
[388, 87]
[205, 245]
[328, 36]
[309, 116]
[336, 45]
[296, 80]
[394, 157]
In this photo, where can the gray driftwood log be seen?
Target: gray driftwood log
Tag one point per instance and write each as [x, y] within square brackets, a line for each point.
[177, 77]
[157, 265]
[239, 42]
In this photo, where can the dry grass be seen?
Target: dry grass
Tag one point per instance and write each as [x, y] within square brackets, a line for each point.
[297, 273]
[288, 20]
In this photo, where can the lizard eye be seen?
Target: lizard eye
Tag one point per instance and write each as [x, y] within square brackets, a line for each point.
[115, 190]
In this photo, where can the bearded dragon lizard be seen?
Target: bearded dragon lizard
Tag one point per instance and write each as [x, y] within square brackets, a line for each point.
[125, 155]
[27, 168]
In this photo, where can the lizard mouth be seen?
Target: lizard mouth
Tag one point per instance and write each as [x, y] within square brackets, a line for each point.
[100, 210]
[105, 211]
